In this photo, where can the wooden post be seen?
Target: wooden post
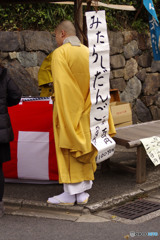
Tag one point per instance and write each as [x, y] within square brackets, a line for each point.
[78, 18]
[85, 40]
[141, 165]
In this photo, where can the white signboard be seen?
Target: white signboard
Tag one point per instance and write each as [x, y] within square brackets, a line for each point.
[152, 147]
[99, 63]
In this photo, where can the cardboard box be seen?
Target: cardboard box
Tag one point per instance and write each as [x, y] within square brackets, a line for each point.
[114, 93]
[123, 124]
[121, 113]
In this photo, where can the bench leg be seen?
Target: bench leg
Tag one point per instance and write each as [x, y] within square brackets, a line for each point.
[141, 165]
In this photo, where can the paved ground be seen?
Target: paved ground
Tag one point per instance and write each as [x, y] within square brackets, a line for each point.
[111, 186]
[23, 227]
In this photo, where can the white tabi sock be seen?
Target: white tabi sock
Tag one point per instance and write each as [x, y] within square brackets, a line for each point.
[63, 199]
[82, 198]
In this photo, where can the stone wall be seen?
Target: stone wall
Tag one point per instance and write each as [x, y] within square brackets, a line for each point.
[136, 74]
[23, 53]
[133, 71]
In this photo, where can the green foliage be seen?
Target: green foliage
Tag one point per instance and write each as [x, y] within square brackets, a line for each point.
[33, 16]
[131, 20]
[140, 26]
[47, 16]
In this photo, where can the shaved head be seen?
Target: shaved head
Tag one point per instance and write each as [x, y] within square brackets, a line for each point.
[63, 30]
[68, 27]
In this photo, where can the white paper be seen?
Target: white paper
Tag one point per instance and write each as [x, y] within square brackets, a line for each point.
[152, 147]
[99, 63]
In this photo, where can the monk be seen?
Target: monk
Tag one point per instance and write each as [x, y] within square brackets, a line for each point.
[45, 80]
[71, 117]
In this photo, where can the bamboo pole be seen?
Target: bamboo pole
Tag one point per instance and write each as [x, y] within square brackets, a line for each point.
[100, 4]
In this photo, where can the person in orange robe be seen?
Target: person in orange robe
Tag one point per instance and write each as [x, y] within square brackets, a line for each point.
[71, 117]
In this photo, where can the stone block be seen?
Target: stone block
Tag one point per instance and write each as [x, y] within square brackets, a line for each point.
[131, 50]
[129, 36]
[38, 41]
[142, 111]
[130, 69]
[27, 59]
[3, 55]
[157, 100]
[116, 42]
[151, 84]
[132, 90]
[118, 83]
[117, 61]
[33, 71]
[11, 41]
[141, 75]
[13, 55]
[148, 100]
[145, 60]
[26, 83]
[119, 73]
[155, 66]
[40, 57]
[155, 112]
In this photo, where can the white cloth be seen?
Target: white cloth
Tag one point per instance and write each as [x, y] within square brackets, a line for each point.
[73, 40]
[63, 199]
[75, 188]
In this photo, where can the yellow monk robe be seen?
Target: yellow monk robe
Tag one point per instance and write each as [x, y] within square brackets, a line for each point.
[71, 114]
[112, 130]
[45, 77]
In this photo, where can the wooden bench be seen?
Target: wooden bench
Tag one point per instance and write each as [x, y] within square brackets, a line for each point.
[130, 136]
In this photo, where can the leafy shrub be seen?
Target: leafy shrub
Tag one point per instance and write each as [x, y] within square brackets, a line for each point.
[33, 16]
[47, 16]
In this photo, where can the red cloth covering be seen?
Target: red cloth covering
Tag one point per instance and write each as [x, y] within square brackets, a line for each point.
[31, 116]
